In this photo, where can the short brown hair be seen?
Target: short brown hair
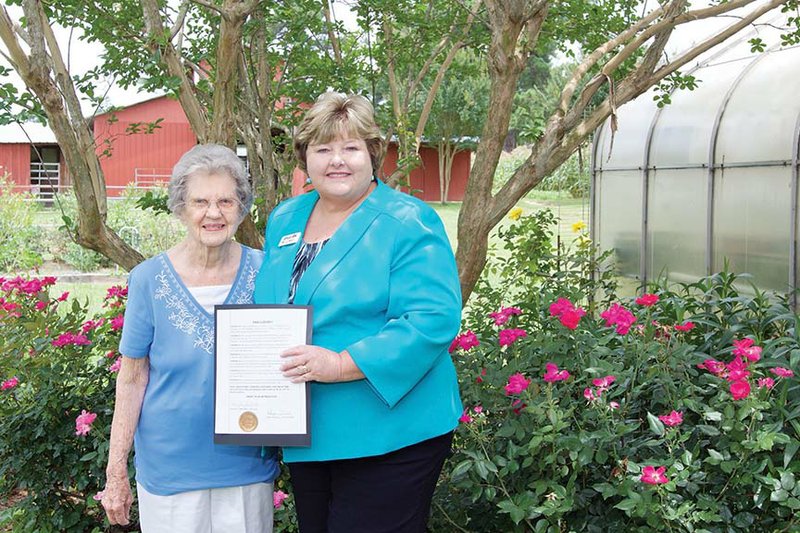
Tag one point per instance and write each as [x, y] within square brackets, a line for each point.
[339, 115]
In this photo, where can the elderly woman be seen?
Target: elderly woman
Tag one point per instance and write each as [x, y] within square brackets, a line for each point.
[186, 483]
[378, 269]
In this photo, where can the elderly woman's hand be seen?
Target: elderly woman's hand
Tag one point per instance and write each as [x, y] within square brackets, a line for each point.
[117, 499]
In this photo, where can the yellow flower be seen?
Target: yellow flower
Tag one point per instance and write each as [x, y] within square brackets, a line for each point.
[578, 226]
[515, 213]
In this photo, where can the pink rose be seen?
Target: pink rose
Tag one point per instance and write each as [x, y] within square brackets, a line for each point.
[618, 316]
[553, 374]
[589, 395]
[83, 423]
[686, 326]
[613, 405]
[604, 383]
[740, 345]
[502, 316]
[740, 389]
[717, 368]
[115, 366]
[509, 336]
[9, 383]
[465, 418]
[570, 319]
[560, 306]
[465, 341]
[675, 418]
[278, 498]
[646, 300]
[116, 322]
[766, 382]
[516, 384]
[653, 476]
[568, 314]
[782, 372]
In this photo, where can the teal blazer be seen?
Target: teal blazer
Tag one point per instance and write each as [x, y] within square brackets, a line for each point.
[385, 288]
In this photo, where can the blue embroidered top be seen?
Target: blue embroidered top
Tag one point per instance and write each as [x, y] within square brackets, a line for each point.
[174, 442]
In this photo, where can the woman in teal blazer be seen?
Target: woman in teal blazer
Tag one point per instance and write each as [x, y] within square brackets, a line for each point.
[378, 269]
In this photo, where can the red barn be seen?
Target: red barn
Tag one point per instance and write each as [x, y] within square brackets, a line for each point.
[129, 154]
[31, 160]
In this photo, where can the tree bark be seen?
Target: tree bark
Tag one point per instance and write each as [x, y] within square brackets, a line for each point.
[505, 66]
[72, 131]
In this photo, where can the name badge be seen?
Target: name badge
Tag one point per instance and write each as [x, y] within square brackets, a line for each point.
[292, 238]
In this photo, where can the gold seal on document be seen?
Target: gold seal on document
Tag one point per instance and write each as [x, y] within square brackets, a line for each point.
[248, 421]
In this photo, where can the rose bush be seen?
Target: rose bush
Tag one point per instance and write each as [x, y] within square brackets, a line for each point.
[674, 411]
[57, 380]
[56, 404]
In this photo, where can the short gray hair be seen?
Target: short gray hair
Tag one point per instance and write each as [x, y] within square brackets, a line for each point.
[209, 159]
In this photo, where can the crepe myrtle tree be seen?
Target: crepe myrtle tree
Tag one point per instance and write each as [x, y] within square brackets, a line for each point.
[624, 63]
[239, 68]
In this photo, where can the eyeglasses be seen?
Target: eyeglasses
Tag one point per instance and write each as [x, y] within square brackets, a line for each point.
[201, 205]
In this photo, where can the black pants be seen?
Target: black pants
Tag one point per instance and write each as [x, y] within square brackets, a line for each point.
[388, 493]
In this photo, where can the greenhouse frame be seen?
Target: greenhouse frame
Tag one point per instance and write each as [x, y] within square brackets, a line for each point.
[710, 180]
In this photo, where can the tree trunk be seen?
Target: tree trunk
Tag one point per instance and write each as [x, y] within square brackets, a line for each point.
[226, 76]
[473, 222]
[72, 131]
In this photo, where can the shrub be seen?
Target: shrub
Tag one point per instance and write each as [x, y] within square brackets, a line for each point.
[55, 366]
[57, 385]
[149, 231]
[589, 413]
[20, 242]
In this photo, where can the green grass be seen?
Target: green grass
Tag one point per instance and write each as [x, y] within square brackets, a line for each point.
[568, 210]
[90, 293]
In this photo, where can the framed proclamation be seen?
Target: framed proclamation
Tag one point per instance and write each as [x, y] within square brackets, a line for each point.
[254, 404]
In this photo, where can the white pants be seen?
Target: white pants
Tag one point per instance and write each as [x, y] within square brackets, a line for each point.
[242, 509]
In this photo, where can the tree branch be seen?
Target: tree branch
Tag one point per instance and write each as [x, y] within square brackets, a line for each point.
[434, 89]
[209, 5]
[157, 36]
[337, 52]
[178, 26]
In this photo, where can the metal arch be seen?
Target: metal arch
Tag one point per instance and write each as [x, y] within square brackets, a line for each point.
[647, 154]
[593, 185]
[648, 145]
[793, 229]
[712, 160]
[593, 214]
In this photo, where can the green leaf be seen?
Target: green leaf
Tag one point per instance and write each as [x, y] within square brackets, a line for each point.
[789, 452]
[656, 426]
[779, 495]
[461, 468]
[714, 454]
[787, 480]
[626, 505]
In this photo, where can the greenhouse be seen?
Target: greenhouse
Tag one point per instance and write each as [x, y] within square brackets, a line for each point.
[710, 179]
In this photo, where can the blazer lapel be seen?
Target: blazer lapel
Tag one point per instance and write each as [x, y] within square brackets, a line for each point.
[282, 257]
[348, 234]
